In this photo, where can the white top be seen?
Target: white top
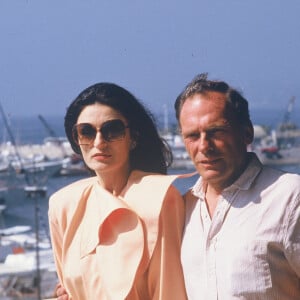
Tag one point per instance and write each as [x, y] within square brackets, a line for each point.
[250, 249]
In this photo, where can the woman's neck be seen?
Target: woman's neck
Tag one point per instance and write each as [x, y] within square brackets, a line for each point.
[114, 182]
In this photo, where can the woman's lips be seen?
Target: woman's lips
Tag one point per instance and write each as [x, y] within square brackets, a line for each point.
[101, 156]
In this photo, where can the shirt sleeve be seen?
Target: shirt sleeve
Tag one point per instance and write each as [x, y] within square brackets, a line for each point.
[292, 237]
[56, 235]
[165, 271]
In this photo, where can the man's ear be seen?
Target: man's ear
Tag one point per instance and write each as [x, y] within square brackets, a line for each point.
[132, 144]
[249, 134]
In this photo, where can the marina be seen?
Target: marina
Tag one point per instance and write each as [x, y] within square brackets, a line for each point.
[27, 206]
[31, 170]
[19, 270]
[24, 271]
[50, 53]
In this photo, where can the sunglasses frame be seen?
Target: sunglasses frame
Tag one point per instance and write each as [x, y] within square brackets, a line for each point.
[104, 135]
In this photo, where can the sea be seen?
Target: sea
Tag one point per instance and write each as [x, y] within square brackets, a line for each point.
[22, 210]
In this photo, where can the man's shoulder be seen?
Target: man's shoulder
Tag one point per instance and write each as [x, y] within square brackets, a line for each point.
[284, 184]
[189, 196]
[281, 175]
[291, 180]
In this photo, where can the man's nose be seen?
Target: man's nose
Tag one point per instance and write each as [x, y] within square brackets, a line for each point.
[204, 144]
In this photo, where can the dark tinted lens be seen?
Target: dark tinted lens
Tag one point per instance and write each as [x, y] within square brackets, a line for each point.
[85, 133]
[113, 130]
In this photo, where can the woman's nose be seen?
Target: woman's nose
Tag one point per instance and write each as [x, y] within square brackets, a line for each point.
[99, 140]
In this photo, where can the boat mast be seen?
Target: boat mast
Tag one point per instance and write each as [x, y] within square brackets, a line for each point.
[33, 191]
[166, 119]
[53, 135]
[13, 141]
[286, 122]
[11, 136]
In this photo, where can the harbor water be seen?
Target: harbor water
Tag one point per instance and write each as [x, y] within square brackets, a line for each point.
[21, 208]
[31, 209]
[29, 130]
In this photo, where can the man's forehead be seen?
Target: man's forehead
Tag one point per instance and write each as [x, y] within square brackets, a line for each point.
[196, 124]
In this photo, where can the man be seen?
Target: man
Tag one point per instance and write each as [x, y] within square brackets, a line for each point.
[242, 234]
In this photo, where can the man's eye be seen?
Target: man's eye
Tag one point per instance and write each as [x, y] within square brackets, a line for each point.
[217, 132]
[192, 136]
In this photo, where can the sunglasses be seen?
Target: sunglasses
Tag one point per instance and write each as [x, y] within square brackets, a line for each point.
[85, 133]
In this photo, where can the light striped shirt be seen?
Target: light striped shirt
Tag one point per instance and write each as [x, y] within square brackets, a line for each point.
[250, 249]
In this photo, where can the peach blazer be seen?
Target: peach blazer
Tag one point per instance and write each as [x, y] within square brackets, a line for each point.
[127, 247]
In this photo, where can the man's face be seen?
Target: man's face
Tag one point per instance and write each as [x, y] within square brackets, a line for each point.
[215, 142]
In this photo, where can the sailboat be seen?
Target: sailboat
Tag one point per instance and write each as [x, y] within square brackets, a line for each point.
[17, 169]
[18, 264]
[281, 145]
[181, 159]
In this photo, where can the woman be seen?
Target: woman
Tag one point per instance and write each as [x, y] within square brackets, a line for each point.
[117, 235]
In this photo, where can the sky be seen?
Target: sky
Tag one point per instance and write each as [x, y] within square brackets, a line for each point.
[51, 50]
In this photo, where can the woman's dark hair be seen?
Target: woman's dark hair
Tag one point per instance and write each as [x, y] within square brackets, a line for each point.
[152, 153]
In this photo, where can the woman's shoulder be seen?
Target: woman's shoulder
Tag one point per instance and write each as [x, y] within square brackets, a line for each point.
[153, 185]
[142, 176]
[73, 190]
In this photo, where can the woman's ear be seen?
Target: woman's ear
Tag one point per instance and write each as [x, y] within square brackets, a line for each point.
[134, 139]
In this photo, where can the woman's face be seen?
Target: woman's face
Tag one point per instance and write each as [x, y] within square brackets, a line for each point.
[108, 152]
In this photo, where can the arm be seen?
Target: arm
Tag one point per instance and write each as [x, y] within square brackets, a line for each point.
[166, 279]
[61, 293]
[56, 239]
[292, 237]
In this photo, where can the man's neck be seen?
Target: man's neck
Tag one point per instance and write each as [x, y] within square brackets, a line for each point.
[211, 199]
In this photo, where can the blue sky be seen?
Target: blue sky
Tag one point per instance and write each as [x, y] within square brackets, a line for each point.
[51, 50]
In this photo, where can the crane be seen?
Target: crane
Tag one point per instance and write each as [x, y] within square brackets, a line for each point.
[54, 138]
[286, 122]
